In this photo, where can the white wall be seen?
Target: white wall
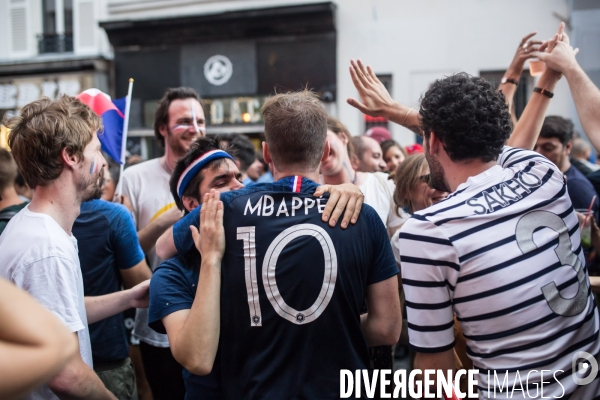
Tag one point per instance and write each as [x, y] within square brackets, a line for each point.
[415, 41]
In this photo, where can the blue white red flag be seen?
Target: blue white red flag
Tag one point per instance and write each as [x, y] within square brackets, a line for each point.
[112, 113]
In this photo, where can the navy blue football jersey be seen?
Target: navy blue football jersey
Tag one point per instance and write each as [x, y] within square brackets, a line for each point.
[292, 290]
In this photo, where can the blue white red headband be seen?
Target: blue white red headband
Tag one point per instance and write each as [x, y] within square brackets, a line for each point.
[192, 170]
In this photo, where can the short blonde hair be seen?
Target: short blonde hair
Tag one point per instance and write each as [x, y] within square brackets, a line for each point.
[43, 129]
[407, 176]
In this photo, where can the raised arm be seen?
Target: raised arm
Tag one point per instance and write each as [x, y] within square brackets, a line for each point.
[528, 128]
[376, 100]
[510, 80]
[34, 344]
[195, 348]
[585, 94]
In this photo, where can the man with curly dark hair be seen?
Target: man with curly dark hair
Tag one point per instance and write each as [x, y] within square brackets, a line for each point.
[502, 252]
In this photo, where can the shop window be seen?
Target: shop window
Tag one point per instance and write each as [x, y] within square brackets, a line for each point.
[371, 122]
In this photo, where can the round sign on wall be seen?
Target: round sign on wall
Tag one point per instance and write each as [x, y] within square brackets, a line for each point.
[218, 70]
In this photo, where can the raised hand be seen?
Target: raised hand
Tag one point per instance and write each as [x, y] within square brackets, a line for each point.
[376, 100]
[557, 52]
[210, 240]
[527, 48]
[345, 197]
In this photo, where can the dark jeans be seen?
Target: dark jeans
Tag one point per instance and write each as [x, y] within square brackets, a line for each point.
[119, 378]
[164, 374]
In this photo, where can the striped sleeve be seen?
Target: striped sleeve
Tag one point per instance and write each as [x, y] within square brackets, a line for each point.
[430, 269]
[512, 156]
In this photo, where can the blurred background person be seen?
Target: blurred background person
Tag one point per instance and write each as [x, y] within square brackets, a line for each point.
[367, 155]
[581, 154]
[379, 133]
[245, 155]
[393, 155]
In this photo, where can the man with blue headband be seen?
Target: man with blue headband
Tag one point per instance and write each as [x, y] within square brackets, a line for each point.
[204, 168]
[283, 306]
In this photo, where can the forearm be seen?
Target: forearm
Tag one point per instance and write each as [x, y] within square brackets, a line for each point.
[587, 102]
[404, 115]
[196, 348]
[79, 381]
[136, 274]
[528, 128]
[151, 232]
[380, 331]
[165, 245]
[442, 362]
[100, 307]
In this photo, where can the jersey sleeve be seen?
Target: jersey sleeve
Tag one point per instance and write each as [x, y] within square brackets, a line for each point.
[128, 252]
[169, 292]
[53, 282]
[383, 265]
[182, 236]
[512, 156]
[430, 269]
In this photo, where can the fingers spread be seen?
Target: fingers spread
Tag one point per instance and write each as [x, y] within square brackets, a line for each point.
[357, 104]
[527, 37]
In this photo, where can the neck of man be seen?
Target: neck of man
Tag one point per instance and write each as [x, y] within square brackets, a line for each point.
[58, 200]
[169, 160]
[346, 174]
[566, 164]
[457, 173]
[312, 175]
[9, 197]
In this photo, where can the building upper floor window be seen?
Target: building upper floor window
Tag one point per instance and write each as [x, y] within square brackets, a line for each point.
[57, 37]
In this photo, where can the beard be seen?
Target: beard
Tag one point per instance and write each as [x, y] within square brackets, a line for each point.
[89, 188]
[436, 173]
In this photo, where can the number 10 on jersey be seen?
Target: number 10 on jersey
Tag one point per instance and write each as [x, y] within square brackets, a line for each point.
[247, 234]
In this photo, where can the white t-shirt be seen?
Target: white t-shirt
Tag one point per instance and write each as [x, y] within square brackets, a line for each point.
[147, 186]
[379, 194]
[39, 257]
[503, 252]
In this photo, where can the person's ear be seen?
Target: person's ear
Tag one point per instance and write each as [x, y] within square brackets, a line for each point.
[433, 143]
[354, 161]
[189, 202]
[344, 138]
[266, 153]
[569, 147]
[326, 151]
[163, 129]
[70, 160]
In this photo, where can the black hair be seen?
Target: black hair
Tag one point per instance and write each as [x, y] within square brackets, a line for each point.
[244, 150]
[558, 127]
[197, 148]
[161, 116]
[470, 117]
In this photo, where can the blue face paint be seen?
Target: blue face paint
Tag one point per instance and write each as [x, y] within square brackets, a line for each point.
[92, 167]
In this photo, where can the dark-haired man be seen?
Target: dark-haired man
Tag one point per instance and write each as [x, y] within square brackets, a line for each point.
[555, 143]
[502, 252]
[367, 155]
[179, 120]
[311, 312]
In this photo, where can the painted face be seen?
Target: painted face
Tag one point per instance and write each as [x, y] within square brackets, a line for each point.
[372, 157]
[181, 130]
[108, 186]
[393, 157]
[553, 150]
[338, 155]
[91, 171]
[422, 195]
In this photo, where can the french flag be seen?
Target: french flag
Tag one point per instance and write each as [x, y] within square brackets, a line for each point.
[113, 117]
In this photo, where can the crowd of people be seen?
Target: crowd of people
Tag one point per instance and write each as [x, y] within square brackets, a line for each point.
[220, 272]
